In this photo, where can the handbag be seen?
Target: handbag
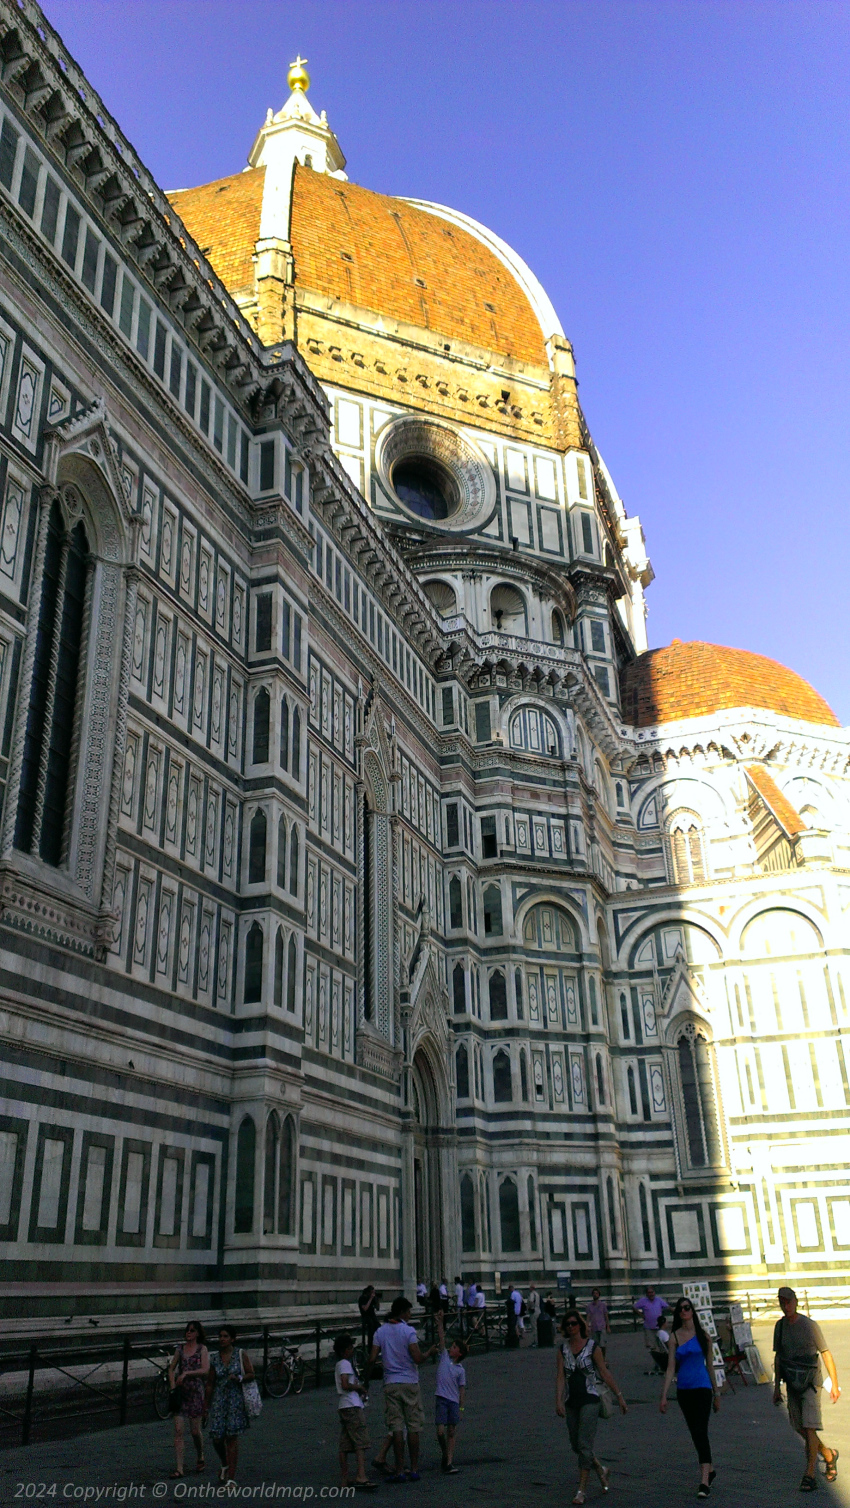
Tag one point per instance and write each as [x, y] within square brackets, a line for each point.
[251, 1397]
[606, 1401]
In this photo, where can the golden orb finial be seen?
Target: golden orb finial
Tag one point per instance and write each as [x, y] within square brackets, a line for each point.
[298, 77]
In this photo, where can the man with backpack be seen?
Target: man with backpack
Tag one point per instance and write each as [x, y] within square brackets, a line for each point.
[798, 1344]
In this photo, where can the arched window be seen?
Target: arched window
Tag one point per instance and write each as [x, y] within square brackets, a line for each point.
[293, 860]
[455, 902]
[281, 853]
[257, 848]
[518, 993]
[633, 1105]
[295, 746]
[507, 611]
[502, 1086]
[498, 997]
[691, 1101]
[644, 1218]
[698, 1100]
[686, 849]
[458, 989]
[467, 1213]
[254, 965]
[523, 1075]
[492, 911]
[558, 636]
[535, 732]
[270, 1174]
[246, 1142]
[278, 968]
[284, 734]
[594, 1004]
[532, 1214]
[262, 715]
[509, 1215]
[51, 739]
[612, 1217]
[548, 929]
[291, 972]
[286, 1179]
[462, 1072]
[486, 1233]
[600, 1080]
[624, 1016]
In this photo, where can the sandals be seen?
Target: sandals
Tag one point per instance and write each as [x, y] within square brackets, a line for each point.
[174, 1475]
[201, 1465]
[808, 1484]
[579, 1497]
[831, 1468]
[604, 1475]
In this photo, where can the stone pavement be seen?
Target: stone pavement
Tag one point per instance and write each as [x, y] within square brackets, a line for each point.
[512, 1448]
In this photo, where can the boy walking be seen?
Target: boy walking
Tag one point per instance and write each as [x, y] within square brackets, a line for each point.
[450, 1393]
[353, 1433]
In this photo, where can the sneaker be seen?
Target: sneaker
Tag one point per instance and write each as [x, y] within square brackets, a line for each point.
[452, 1471]
[414, 1476]
[401, 1477]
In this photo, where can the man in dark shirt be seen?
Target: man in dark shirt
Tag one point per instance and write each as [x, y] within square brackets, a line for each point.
[798, 1344]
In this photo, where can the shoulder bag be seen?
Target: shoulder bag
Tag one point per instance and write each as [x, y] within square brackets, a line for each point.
[250, 1393]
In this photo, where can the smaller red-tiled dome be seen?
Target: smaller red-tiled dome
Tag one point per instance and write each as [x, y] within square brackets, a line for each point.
[694, 680]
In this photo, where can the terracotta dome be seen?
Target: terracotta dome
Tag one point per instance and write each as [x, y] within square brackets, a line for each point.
[694, 680]
[372, 251]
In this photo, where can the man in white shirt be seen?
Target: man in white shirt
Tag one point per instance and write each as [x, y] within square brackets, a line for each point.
[517, 1301]
[421, 1291]
[477, 1303]
[398, 1345]
[444, 1289]
[533, 1307]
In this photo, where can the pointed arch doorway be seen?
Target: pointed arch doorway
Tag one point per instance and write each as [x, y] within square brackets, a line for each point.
[429, 1243]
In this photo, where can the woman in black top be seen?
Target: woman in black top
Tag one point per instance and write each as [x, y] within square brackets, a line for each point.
[580, 1366]
[368, 1305]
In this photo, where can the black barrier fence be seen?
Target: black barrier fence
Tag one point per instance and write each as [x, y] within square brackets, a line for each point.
[55, 1385]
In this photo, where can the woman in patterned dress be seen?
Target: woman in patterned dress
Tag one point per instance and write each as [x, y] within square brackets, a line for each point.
[229, 1368]
[188, 1371]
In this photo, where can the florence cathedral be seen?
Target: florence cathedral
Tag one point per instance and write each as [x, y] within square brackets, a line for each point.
[374, 904]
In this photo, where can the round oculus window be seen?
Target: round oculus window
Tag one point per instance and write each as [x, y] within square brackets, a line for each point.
[434, 473]
[425, 487]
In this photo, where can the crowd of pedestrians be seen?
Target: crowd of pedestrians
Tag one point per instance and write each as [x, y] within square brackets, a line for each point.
[216, 1388]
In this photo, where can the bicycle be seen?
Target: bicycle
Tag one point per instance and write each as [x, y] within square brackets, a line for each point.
[285, 1373]
[161, 1388]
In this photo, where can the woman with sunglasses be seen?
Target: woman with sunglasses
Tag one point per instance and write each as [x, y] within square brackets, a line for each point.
[580, 1366]
[689, 1357]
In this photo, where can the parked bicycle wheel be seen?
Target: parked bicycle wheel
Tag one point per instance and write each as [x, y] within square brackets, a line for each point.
[161, 1396]
[277, 1377]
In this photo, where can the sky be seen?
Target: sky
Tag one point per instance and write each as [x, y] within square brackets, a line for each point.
[676, 174]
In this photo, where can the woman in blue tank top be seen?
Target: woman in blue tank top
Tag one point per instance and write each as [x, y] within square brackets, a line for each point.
[689, 1357]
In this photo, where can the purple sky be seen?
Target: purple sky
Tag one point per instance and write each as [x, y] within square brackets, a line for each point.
[677, 176]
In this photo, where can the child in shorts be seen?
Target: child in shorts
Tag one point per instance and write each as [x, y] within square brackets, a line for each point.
[450, 1393]
[354, 1432]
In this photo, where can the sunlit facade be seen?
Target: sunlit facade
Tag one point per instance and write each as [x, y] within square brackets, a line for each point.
[374, 903]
